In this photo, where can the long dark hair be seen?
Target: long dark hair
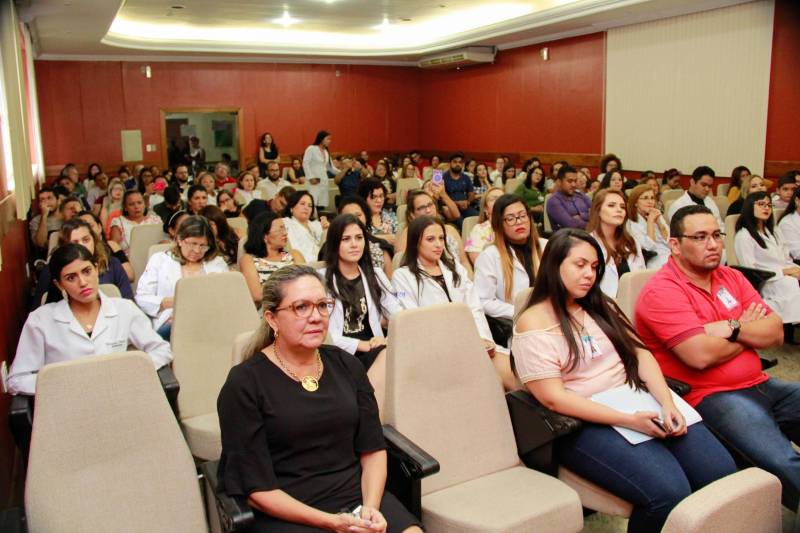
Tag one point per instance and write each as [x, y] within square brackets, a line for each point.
[603, 310]
[357, 200]
[410, 260]
[295, 198]
[748, 220]
[792, 206]
[736, 175]
[225, 235]
[264, 136]
[529, 179]
[334, 280]
[258, 228]
[66, 254]
[321, 134]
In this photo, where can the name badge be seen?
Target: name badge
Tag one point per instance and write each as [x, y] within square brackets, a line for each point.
[726, 298]
[119, 345]
[591, 346]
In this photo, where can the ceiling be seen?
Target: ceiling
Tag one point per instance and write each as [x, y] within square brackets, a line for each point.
[395, 32]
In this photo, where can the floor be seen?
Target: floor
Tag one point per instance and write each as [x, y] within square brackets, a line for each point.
[788, 368]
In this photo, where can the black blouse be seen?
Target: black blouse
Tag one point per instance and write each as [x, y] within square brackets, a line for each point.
[277, 435]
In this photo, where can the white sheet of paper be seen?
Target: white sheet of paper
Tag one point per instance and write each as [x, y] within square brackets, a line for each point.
[628, 400]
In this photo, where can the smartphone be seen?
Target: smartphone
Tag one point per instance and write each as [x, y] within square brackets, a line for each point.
[660, 424]
[437, 178]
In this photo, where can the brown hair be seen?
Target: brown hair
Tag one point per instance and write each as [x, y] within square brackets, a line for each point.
[504, 249]
[626, 245]
[633, 198]
[100, 256]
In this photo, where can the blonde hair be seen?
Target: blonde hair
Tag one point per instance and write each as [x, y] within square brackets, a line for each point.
[107, 201]
[633, 198]
[482, 216]
[273, 293]
[745, 190]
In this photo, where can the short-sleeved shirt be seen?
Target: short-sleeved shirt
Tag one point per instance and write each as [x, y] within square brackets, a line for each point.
[672, 309]
[458, 189]
[544, 353]
[277, 435]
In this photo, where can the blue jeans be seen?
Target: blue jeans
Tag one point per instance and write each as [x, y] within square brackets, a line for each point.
[165, 331]
[654, 476]
[759, 422]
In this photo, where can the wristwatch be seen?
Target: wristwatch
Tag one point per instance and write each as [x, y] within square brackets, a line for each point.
[736, 327]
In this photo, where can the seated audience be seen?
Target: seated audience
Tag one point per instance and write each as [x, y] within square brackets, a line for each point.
[750, 184]
[582, 185]
[112, 248]
[265, 252]
[196, 199]
[381, 252]
[109, 269]
[671, 180]
[480, 180]
[567, 208]
[699, 193]
[608, 163]
[222, 175]
[647, 226]
[295, 173]
[338, 464]
[499, 166]
[532, 191]
[47, 221]
[99, 189]
[180, 179]
[209, 184]
[786, 187]
[134, 213]
[171, 227]
[613, 179]
[704, 322]
[430, 275]
[194, 254]
[621, 253]
[550, 182]
[759, 245]
[789, 225]
[270, 187]
[227, 202]
[227, 237]
[382, 222]
[570, 343]
[110, 205]
[305, 233]
[509, 173]
[246, 189]
[172, 203]
[459, 188]
[482, 234]
[349, 176]
[384, 174]
[85, 323]
[735, 189]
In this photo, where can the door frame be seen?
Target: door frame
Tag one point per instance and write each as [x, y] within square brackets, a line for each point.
[239, 126]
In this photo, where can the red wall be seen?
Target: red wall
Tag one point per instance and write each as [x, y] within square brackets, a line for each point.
[784, 92]
[84, 105]
[521, 103]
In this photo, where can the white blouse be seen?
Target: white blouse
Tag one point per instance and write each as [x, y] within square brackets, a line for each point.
[610, 282]
[306, 240]
[790, 229]
[660, 245]
[316, 164]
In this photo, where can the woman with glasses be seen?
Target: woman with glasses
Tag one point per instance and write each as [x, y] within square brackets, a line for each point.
[301, 437]
[759, 244]
[305, 233]
[750, 184]
[647, 226]
[382, 222]
[265, 252]
[621, 253]
[194, 254]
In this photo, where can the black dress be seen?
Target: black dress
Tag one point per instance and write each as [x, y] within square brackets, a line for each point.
[277, 435]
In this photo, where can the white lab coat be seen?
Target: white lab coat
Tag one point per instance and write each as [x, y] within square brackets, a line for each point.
[389, 302]
[316, 164]
[790, 231]
[660, 245]
[268, 189]
[685, 200]
[52, 334]
[781, 293]
[429, 292]
[490, 285]
[610, 282]
[158, 282]
[306, 240]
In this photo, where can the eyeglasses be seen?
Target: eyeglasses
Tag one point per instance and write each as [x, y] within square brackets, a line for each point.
[304, 308]
[195, 246]
[425, 207]
[765, 205]
[515, 219]
[703, 238]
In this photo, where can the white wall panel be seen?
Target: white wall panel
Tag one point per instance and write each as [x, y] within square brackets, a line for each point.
[691, 90]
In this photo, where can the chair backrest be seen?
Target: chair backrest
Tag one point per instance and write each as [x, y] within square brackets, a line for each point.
[722, 204]
[109, 289]
[238, 222]
[404, 185]
[723, 188]
[210, 311]
[671, 194]
[466, 227]
[777, 212]
[241, 342]
[143, 237]
[749, 500]
[401, 217]
[160, 247]
[630, 285]
[667, 204]
[512, 185]
[397, 260]
[229, 186]
[52, 242]
[469, 429]
[730, 238]
[547, 225]
[521, 299]
[316, 265]
[107, 453]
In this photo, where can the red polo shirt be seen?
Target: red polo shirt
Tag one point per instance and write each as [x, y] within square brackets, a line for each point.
[671, 309]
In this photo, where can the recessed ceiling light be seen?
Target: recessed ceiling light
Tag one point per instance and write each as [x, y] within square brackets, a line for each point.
[286, 19]
[383, 26]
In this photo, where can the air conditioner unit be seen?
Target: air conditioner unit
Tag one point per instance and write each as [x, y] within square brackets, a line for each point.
[464, 57]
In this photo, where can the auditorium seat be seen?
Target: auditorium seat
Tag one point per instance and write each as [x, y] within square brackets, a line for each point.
[238, 222]
[107, 453]
[397, 260]
[109, 289]
[723, 188]
[722, 204]
[481, 486]
[667, 204]
[466, 227]
[512, 185]
[143, 237]
[52, 242]
[630, 285]
[548, 228]
[160, 247]
[404, 185]
[210, 311]
[671, 195]
[401, 217]
[240, 343]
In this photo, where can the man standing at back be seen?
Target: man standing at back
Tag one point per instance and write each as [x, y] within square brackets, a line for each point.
[704, 322]
[699, 193]
[566, 207]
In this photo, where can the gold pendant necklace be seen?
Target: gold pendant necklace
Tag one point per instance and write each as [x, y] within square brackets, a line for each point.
[309, 383]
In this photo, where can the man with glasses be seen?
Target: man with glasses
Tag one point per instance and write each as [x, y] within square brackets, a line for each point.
[704, 322]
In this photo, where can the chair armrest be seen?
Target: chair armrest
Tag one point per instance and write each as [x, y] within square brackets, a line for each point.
[679, 387]
[755, 276]
[768, 363]
[12, 520]
[170, 385]
[20, 421]
[417, 463]
[234, 512]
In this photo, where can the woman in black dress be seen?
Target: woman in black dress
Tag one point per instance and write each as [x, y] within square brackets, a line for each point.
[300, 431]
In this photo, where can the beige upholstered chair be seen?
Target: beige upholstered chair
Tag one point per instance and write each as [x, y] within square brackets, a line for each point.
[466, 227]
[777, 212]
[744, 502]
[630, 285]
[107, 453]
[671, 195]
[397, 260]
[239, 223]
[512, 185]
[730, 237]
[401, 217]
[667, 204]
[443, 394]
[521, 299]
[722, 204]
[316, 265]
[109, 289]
[52, 242]
[210, 311]
[160, 247]
[723, 188]
[241, 342]
[548, 227]
[143, 237]
[404, 185]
